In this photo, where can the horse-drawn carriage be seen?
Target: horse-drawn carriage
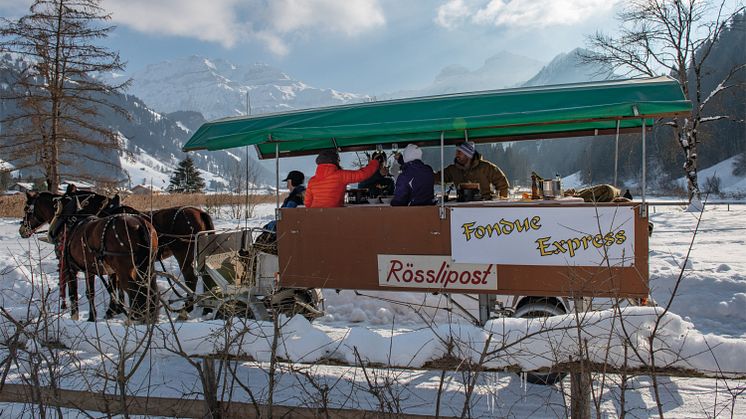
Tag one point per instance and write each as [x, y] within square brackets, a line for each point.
[577, 250]
[242, 263]
[536, 254]
[97, 235]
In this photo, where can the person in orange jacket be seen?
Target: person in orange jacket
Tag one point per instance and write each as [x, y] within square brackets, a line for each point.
[326, 189]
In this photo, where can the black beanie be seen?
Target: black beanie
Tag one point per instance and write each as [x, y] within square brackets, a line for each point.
[328, 156]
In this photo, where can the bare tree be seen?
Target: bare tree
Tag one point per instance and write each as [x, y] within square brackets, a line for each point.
[57, 94]
[243, 178]
[672, 37]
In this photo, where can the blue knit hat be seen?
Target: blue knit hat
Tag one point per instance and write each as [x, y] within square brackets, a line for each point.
[467, 147]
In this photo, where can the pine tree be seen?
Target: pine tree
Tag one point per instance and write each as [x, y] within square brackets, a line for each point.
[186, 178]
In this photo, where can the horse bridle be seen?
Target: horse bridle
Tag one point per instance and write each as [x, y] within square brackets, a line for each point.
[30, 215]
[68, 221]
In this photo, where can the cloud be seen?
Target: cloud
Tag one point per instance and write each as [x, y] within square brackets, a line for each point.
[520, 13]
[212, 21]
[228, 22]
[452, 14]
[273, 43]
[350, 17]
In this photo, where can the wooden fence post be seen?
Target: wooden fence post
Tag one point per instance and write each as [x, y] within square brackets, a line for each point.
[580, 377]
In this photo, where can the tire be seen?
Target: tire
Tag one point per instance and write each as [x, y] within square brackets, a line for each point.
[539, 309]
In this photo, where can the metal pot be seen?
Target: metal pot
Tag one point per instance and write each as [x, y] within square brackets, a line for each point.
[468, 192]
[552, 188]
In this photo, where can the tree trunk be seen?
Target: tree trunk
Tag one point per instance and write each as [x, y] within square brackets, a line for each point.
[688, 142]
[52, 164]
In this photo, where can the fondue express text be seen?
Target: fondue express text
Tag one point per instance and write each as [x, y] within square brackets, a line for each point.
[547, 245]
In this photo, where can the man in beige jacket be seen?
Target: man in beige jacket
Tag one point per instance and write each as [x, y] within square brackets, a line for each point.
[469, 167]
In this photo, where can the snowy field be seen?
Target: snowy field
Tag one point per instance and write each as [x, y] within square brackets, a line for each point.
[705, 330]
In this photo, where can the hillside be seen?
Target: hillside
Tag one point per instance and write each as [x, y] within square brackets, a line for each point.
[152, 139]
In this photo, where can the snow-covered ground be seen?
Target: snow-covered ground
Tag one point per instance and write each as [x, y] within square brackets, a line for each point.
[144, 169]
[706, 330]
[729, 183]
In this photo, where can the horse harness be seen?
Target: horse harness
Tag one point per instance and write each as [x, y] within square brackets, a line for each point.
[178, 237]
[74, 222]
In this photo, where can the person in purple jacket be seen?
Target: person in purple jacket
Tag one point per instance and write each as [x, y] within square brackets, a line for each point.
[414, 186]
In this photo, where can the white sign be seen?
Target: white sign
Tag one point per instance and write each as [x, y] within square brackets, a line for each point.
[574, 236]
[434, 272]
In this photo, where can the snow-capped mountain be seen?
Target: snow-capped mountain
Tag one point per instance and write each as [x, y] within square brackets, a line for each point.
[500, 71]
[216, 88]
[569, 68]
[151, 143]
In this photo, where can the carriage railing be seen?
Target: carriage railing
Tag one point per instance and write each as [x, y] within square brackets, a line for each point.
[230, 258]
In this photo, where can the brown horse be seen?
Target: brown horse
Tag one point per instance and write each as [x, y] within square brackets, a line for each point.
[176, 227]
[122, 246]
[38, 211]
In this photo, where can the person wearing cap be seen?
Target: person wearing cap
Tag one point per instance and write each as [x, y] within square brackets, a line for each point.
[294, 199]
[414, 186]
[294, 181]
[469, 167]
[326, 189]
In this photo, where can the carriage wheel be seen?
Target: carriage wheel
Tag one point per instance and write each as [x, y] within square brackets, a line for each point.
[539, 309]
[292, 301]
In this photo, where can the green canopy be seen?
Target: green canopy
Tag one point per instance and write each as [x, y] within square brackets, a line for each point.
[491, 116]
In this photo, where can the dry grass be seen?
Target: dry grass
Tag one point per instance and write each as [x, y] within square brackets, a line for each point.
[12, 205]
[147, 202]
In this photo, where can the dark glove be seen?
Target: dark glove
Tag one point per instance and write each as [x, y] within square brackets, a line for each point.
[381, 157]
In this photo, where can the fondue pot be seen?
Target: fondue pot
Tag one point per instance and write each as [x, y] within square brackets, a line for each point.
[468, 192]
[552, 188]
[357, 196]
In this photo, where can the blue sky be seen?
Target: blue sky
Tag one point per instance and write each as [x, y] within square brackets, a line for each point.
[367, 46]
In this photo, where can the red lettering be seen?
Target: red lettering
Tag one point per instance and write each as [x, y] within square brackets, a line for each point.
[476, 277]
[452, 278]
[465, 277]
[486, 274]
[393, 269]
[418, 276]
[430, 276]
[402, 270]
[438, 278]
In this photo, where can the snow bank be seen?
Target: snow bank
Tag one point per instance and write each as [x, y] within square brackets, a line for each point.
[528, 343]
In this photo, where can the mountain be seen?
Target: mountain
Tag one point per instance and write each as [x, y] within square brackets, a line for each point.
[569, 68]
[216, 88]
[500, 71]
[151, 143]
